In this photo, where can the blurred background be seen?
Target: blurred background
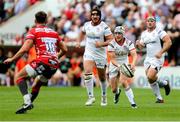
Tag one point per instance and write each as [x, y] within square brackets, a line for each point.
[67, 18]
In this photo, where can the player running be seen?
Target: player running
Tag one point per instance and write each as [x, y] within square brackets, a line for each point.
[151, 40]
[49, 48]
[118, 51]
[98, 35]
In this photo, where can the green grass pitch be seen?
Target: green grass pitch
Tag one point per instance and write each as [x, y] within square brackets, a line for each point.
[67, 104]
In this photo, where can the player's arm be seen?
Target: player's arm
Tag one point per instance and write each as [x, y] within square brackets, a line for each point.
[166, 45]
[24, 49]
[63, 49]
[81, 37]
[139, 44]
[112, 58]
[134, 56]
[108, 39]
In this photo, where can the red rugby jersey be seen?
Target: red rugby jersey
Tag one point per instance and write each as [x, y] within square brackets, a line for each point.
[46, 41]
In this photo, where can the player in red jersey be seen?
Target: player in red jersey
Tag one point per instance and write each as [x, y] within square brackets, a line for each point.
[49, 48]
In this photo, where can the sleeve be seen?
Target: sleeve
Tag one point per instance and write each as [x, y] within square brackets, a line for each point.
[161, 33]
[131, 45]
[30, 34]
[111, 47]
[83, 28]
[107, 30]
[142, 38]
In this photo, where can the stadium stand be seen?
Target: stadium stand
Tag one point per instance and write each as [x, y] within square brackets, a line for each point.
[129, 13]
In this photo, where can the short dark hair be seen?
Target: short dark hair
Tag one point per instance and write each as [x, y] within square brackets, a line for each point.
[41, 17]
[96, 8]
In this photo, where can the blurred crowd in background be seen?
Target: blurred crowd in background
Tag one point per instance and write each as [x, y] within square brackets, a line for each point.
[9, 8]
[129, 13]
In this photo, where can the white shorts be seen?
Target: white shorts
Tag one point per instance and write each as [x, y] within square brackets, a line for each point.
[100, 62]
[32, 73]
[153, 63]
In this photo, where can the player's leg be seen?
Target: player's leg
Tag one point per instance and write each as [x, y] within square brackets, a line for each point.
[128, 91]
[114, 80]
[88, 80]
[103, 83]
[115, 88]
[165, 84]
[23, 87]
[151, 74]
[36, 88]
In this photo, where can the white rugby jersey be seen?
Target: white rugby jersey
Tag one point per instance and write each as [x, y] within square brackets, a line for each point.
[93, 34]
[121, 51]
[152, 41]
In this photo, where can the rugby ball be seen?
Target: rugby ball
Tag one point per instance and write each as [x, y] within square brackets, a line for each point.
[126, 70]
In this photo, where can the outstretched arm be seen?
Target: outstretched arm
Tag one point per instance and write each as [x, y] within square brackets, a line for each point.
[81, 37]
[112, 57]
[25, 48]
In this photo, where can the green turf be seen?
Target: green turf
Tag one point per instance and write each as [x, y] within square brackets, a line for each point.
[67, 104]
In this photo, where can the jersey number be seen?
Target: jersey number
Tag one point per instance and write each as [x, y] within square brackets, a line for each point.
[50, 44]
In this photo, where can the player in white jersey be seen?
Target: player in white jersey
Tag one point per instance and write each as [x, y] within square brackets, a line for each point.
[151, 39]
[97, 35]
[118, 51]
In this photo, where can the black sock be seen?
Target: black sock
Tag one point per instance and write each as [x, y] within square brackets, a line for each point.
[23, 87]
[34, 95]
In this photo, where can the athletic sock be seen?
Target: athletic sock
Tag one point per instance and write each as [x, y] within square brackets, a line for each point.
[27, 99]
[130, 95]
[35, 90]
[89, 87]
[103, 88]
[156, 90]
[117, 90]
[162, 82]
[23, 87]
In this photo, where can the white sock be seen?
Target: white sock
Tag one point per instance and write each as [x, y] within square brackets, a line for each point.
[103, 88]
[117, 90]
[27, 99]
[89, 87]
[162, 82]
[156, 90]
[130, 95]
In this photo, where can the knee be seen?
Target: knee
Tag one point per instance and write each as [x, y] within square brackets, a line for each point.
[102, 79]
[87, 77]
[151, 79]
[114, 90]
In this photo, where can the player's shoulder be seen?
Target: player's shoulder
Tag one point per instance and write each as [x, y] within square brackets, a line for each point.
[159, 30]
[32, 29]
[144, 32]
[103, 24]
[128, 42]
[87, 23]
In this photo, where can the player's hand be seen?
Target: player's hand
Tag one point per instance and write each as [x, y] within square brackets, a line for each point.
[158, 55]
[132, 66]
[78, 45]
[9, 60]
[139, 44]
